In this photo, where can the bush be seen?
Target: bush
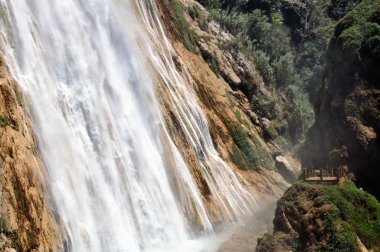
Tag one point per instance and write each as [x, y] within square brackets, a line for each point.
[248, 153]
[234, 21]
[301, 115]
[339, 8]
[268, 106]
[282, 142]
[263, 66]
[3, 224]
[284, 71]
[3, 122]
[359, 28]
[264, 35]
[242, 141]
[188, 36]
[265, 160]
[196, 14]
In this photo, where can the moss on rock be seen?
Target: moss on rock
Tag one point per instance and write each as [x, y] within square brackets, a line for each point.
[325, 218]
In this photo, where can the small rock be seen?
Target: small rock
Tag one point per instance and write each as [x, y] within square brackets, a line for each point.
[266, 122]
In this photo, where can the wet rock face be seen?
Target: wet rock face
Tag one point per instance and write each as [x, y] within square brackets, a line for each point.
[222, 89]
[26, 220]
[347, 127]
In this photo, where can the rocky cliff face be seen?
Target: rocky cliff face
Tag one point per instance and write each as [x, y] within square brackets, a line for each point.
[346, 130]
[27, 222]
[345, 134]
[324, 218]
[224, 82]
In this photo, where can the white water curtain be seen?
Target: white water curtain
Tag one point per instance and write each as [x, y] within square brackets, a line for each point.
[87, 70]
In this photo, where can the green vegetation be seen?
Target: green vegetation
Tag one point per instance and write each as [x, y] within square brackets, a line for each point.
[242, 141]
[358, 213]
[265, 160]
[340, 236]
[359, 30]
[3, 224]
[258, 28]
[248, 152]
[346, 212]
[3, 122]
[188, 36]
[352, 213]
[268, 107]
[339, 8]
[282, 142]
[243, 153]
[196, 14]
[288, 41]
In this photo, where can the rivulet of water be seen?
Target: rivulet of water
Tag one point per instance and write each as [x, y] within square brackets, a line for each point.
[88, 70]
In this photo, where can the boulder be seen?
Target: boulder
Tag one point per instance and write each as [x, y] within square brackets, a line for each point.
[283, 166]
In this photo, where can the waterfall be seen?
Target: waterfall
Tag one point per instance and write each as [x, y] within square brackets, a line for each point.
[119, 182]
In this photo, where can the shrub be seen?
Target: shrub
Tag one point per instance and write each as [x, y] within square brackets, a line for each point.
[196, 14]
[339, 8]
[268, 106]
[265, 159]
[3, 122]
[266, 35]
[360, 28]
[301, 114]
[263, 65]
[188, 36]
[3, 224]
[263, 34]
[282, 142]
[248, 153]
[234, 21]
[284, 71]
[242, 141]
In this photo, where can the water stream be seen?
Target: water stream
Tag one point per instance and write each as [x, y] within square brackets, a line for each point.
[88, 70]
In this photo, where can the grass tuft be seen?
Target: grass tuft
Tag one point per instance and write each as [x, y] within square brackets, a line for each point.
[3, 122]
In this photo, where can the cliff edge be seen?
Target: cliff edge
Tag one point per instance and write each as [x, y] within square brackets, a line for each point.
[324, 218]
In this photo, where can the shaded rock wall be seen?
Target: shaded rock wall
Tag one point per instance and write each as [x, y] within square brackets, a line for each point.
[346, 130]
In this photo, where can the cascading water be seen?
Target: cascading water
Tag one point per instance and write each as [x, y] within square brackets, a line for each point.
[88, 69]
